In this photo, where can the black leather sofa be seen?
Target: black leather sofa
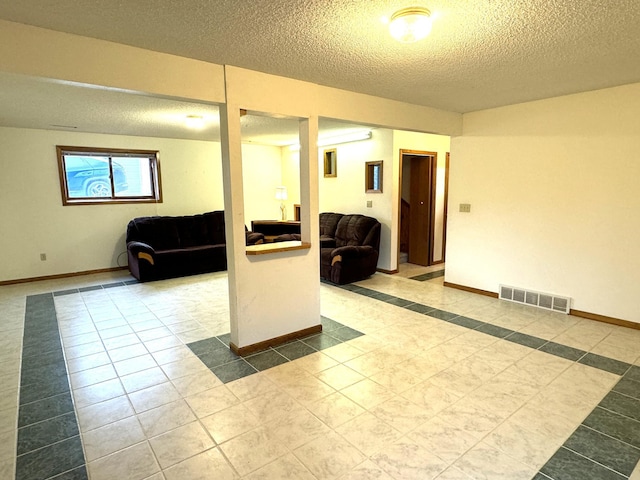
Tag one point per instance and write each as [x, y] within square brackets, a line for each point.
[164, 247]
[349, 246]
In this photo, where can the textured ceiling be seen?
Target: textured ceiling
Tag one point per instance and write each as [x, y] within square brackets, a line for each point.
[27, 102]
[480, 54]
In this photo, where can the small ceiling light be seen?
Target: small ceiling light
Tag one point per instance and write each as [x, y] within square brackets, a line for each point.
[194, 121]
[345, 138]
[336, 140]
[410, 24]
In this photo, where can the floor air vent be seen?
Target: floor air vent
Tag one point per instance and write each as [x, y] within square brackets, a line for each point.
[535, 299]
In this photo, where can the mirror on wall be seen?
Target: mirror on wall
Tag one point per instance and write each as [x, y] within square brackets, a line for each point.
[330, 162]
[373, 177]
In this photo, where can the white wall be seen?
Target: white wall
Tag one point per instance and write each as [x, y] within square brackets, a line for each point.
[346, 193]
[290, 167]
[553, 187]
[90, 237]
[262, 173]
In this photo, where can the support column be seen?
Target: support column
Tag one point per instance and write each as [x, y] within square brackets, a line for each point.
[273, 297]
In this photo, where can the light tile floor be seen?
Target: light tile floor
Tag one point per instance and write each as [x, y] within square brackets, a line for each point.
[415, 397]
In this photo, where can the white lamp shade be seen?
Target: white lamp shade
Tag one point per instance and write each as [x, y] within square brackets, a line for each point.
[281, 193]
[410, 24]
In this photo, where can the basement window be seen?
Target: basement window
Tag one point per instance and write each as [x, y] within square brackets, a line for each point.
[98, 175]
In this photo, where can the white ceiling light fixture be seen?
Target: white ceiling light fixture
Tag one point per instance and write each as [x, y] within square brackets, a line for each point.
[338, 139]
[194, 121]
[410, 24]
[345, 138]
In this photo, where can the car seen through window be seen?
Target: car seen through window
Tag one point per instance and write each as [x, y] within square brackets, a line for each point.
[104, 176]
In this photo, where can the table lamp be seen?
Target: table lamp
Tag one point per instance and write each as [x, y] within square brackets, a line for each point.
[281, 194]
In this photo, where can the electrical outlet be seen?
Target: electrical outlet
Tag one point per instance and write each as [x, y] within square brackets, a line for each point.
[369, 203]
[43, 257]
[465, 207]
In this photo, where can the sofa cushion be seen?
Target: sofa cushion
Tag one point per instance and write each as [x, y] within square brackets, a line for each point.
[354, 230]
[328, 223]
[192, 230]
[186, 261]
[159, 232]
[215, 227]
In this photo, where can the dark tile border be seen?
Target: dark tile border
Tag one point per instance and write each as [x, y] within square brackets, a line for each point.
[92, 288]
[215, 354]
[48, 440]
[603, 449]
[568, 465]
[295, 350]
[530, 341]
[428, 276]
[563, 351]
[607, 443]
[604, 363]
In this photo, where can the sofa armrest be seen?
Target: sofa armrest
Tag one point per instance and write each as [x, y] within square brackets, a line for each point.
[142, 251]
[254, 238]
[351, 252]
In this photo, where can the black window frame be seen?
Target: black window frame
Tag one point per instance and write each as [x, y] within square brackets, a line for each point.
[154, 169]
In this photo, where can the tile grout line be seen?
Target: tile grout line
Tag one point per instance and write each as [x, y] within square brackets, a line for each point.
[609, 436]
[592, 460]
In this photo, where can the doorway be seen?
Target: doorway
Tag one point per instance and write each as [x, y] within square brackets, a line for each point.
[422, 208]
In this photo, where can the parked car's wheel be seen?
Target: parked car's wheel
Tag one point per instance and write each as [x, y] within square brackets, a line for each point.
[98, 188]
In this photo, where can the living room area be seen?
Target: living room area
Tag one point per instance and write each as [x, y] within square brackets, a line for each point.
[408, 378]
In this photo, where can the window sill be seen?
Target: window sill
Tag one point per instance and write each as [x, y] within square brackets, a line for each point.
[109, 201]
[277, 247]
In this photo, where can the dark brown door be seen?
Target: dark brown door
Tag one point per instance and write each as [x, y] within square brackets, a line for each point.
[419, 217]
[422, 188]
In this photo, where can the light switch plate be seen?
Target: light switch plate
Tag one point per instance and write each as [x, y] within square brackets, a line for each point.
[369, 203]
[465, 207]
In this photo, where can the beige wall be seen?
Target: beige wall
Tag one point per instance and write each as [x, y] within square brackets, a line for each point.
[88, 237]
[553, 187]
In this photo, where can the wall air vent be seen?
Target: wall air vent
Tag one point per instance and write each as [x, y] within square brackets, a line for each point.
[547, 301]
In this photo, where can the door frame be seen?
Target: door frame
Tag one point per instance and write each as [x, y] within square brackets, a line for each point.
[432, 196]
[445, 212]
